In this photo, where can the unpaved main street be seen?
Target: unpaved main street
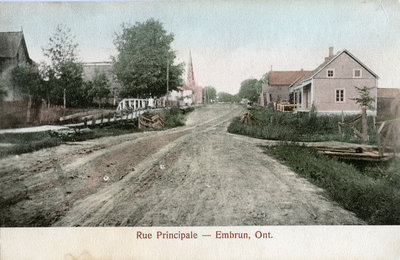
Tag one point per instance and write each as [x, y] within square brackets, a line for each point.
[194, 175]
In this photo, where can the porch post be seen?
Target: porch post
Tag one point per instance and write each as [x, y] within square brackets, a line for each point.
[302, 98]
[312, 94]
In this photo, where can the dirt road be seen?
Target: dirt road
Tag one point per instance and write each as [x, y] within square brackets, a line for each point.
[193, 175]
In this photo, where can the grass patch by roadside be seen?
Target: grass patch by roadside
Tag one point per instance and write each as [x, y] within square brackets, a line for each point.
[18, 143]
[299, 127]
[371, 190]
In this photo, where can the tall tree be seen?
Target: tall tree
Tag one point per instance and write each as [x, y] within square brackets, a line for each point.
[209, 94]
[144, 59]
[28, 80]
[100, 88]
[250, 89]
[64, 70]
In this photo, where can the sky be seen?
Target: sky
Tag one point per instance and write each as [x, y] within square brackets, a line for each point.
[230, 41]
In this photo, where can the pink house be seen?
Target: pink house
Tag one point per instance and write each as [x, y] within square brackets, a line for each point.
[331, 87]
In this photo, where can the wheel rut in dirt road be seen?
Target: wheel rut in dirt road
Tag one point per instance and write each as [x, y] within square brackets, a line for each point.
[211, 178]
[197, 174]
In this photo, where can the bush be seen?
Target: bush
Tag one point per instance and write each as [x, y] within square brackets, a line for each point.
[371, 190]
[306, 127]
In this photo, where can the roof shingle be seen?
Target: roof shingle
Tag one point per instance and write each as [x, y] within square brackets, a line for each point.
[286, 78]
[9, 43]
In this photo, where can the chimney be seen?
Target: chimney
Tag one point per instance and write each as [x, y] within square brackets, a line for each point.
[330, 52]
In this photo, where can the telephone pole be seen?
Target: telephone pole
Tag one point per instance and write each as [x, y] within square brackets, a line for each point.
[167, 79]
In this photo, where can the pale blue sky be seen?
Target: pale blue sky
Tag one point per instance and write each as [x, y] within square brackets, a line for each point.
[230, 40]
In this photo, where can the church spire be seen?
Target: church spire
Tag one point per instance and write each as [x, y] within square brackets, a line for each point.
[190, 77]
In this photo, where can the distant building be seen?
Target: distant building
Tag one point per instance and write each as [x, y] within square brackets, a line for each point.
[13, 53]
[184, 96]
[388, 102]
[91, 69]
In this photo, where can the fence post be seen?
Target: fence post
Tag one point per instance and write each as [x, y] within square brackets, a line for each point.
[364, 124]
[93, 121]
[85, 121]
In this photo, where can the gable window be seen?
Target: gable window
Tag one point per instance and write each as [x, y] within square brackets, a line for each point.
[357, 73]
[330, 73]
[339, 95]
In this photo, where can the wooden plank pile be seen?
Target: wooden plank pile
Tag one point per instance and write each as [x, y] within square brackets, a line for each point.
[248, 119]
[355, 153]
[155, 121]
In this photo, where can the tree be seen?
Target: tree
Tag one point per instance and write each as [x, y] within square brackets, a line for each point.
[364, 99]
[144, 57]
[250, 89]
[226, 97]
[209, 94]
[28, 80]
[99, 88]
[65, 71]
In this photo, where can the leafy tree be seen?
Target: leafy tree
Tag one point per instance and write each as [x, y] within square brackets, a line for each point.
[226, 97]
[65, 71]
[144, 56]
[209, 93]
[364, 98]
[264, 79]
[365, 101]
[28, 80]
[99, 88]
[250, 89]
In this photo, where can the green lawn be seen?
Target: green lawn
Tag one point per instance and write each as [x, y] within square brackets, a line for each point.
[369, 189]
[306, 127]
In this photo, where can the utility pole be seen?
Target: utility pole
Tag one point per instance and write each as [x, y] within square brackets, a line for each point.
[167, 79]
[65, 100]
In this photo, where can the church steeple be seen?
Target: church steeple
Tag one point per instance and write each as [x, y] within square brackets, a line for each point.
[190, 77]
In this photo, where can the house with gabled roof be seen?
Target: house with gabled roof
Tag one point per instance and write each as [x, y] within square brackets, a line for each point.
[331, 87]
[13, 53]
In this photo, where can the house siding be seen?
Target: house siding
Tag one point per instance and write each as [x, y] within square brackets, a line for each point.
[277, 93]
[325, 88]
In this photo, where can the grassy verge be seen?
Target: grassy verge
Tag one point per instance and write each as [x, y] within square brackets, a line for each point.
[19, 143]
[303, 127]
[371, 190]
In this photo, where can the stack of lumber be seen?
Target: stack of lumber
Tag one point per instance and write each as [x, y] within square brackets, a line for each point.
[155, 121]
[248, 119]
[354, 153]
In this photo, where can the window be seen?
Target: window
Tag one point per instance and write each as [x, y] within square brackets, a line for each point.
[357, 73]
[339, 95]
[330, 73]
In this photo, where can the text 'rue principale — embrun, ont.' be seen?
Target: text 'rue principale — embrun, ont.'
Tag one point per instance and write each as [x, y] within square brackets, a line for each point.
[178, 235]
